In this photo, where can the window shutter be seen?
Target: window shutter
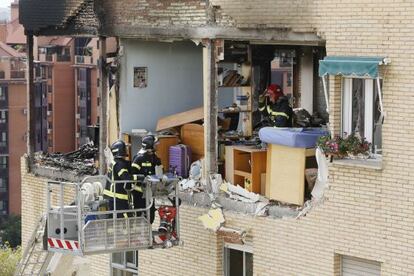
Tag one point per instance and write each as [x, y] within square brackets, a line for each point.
[359, 267]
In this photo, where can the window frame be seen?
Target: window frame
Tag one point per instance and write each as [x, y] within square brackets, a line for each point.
[346, 104]
[226, 256]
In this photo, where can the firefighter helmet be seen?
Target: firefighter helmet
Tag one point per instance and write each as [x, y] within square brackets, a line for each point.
[118, 149]
[148, 142]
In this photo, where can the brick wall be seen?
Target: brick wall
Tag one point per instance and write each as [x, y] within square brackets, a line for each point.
[151, 13]
[368, 212]
[34, 205]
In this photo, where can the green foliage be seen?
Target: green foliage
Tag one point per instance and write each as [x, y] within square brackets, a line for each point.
[10, 230]
[9, 258]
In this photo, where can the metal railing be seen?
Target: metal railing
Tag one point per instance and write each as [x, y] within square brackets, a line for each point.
[17, 74]
[62, 58]
[83, 59]
[97, 231]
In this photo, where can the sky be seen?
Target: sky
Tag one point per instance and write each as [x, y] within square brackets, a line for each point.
[5, 3]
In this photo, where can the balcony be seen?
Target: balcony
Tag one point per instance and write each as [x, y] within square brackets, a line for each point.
[54, 58]
[87, 60]
[46, 57]
[63, 58]
[17, 74]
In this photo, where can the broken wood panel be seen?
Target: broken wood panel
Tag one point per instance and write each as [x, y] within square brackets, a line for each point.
[192, 135]
[180, 119]
[165, 142]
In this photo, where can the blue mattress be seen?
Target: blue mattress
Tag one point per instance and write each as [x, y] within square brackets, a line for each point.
[292, 137]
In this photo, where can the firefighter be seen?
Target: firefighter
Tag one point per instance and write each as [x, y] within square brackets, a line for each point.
[119, 170]
[144, 164]
[275, 106]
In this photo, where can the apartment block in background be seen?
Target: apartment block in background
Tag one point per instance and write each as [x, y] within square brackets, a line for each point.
[56, 56]
[12, 126]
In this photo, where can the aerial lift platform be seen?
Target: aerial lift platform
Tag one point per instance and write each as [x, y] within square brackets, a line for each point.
[78, 222]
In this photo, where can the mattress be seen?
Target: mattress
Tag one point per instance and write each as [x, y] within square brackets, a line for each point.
[292, 137]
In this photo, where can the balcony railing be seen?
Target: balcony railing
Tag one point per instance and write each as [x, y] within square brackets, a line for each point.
[17, 74]
[84, 60]
[63, 58]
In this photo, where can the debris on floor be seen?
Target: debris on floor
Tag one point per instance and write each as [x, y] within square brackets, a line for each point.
[239, 193]
[81, 161]
[194, 183]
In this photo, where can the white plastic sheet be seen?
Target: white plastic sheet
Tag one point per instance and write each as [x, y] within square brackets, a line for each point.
[323, 172]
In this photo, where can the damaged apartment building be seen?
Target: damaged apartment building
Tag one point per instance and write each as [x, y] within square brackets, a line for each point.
[192, 72]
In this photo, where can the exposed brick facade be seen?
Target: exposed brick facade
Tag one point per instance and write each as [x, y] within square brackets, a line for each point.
[152, 13]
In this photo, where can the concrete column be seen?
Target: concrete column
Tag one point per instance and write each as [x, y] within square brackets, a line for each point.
[31, 117]
[210, 108]
[103, 107]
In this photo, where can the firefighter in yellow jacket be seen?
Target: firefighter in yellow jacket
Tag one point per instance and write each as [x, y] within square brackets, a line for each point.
[117, 193]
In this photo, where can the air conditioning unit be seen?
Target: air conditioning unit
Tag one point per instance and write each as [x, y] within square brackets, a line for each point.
[24, 111]
[49, 113]
[77, 135]
[49, 131]
[77, 116]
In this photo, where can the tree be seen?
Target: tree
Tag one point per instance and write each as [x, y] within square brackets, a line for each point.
[10, 230]
[9, 258]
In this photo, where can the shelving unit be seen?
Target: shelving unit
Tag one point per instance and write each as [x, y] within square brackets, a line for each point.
[236, 77]
[247, 163]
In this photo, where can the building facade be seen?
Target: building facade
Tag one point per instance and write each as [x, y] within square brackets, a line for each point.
[12, 126]
[365, 219]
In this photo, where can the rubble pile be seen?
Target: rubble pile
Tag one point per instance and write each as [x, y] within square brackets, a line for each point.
[81, 161]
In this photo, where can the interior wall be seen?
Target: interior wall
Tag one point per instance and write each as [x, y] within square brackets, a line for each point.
[175, 81]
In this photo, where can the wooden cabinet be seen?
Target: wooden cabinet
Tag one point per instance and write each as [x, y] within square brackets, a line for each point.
[285, 177]
[165, 142]
[248, 165]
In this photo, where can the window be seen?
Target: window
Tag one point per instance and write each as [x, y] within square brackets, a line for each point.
[125, 263]
[361, 111]
[351, 266]
[2, 94]
[49, 107]
[3, 162]
[2, 205]
[3, 116]
[3, 185]
[49, 72]
[238, 260]
[3, 139]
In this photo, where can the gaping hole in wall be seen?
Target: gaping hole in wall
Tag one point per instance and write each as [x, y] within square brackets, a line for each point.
[246, 73]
